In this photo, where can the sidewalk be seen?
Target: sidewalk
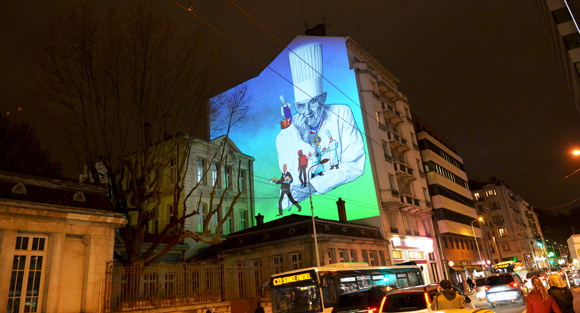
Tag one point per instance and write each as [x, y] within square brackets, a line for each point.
[576, 294]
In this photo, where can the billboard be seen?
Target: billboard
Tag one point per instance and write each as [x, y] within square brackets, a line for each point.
[306, 134]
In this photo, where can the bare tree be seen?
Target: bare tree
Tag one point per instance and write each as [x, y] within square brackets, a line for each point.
[131, 95]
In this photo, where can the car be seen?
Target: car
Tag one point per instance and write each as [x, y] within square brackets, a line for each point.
[480, 287]
[504, 287]
[531, 274]
[379, 299]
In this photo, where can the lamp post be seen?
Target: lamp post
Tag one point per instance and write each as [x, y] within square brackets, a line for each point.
[312, 211]
[475, 237]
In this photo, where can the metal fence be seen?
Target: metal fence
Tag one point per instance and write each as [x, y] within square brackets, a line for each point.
[167, 285]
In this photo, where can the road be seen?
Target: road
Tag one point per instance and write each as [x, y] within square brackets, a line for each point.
[514, 308]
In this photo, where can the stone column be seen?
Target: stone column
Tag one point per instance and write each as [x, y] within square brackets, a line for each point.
[53, 276]
[7, 244]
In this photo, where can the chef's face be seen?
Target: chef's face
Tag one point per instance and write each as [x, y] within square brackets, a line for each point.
[311, 110]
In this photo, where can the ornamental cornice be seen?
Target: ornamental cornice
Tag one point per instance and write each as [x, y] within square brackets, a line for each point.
[366, 57]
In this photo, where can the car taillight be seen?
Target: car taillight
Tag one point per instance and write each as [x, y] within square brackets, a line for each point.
[543, 278]
[371, 310]
[487, 287]
[427, 299]
[513, 284]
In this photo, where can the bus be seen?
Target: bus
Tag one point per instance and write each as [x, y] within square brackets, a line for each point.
[315, 289]
[508, 267]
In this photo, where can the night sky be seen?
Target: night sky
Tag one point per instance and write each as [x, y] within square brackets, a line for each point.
[483, 73]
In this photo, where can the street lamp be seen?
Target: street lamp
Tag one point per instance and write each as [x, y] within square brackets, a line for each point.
[312, 211]
[480, 219]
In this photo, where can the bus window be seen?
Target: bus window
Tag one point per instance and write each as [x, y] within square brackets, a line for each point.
[364, 281]
[296, 298]
[402, 280]
[414, 278]
[347, 284]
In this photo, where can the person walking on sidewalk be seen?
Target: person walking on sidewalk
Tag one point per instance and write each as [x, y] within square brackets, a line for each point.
[539, 301]
[470, 283]
[561, 293]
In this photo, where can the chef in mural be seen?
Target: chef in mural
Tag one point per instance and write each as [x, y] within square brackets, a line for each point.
[318, 128]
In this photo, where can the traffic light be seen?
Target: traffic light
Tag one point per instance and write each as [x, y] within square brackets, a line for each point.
[539, 240]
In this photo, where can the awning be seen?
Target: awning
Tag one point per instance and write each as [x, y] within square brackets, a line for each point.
[478, 268]
[457, 268]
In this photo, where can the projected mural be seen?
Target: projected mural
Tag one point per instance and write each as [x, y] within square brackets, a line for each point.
[306, 134]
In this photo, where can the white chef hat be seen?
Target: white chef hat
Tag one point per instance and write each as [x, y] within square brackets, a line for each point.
[306, 68]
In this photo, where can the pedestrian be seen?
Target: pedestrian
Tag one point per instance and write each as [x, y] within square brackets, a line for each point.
[470, 283]
[259, 309]
[561, 293]
[539, 301]
[448, 298]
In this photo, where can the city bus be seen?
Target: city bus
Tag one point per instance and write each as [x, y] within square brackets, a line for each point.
[315, 289]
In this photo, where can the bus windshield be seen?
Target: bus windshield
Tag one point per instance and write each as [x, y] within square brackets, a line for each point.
[297, 292]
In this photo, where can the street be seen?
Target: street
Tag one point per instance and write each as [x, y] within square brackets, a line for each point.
[514, 308]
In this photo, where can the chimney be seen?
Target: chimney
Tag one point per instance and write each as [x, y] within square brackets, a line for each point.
[318, 30]
[341, 210]
[259, 219]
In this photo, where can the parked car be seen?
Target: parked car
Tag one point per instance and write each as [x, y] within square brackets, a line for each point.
[540, 274]
[377, 299]
[504, 287]
[480, 287]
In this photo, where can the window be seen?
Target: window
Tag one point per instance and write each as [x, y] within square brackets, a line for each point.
[415, 255]
[330, 258]
[561, 15]
[296, 260]
[27, 279]
[365, 256]
[382, 257]
[278, 264]
[171, 172]
[373, 258]
[457, 244]
[341, 256]
[257, 276]
[227, 226]
[431, 257]
[406, 222]
[572, 41]
[215, 181]
[398, 254]
[426, 225]
[243, 181]
[243, 220]
[387, 153]
[393, 221]
[506, 246]
[393, 183]
[490, 193]
[462, 244]
[353, 255]
[476, 195]
[498, 220]
[493, 206]
[374, 88]
[200, 169]
[229, 183]
[215, 221]
[444, 239]
[201, 216]
[501, 232]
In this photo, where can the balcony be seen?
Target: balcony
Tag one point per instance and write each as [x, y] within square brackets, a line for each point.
[397, 142]
[415, 146]
[395, 193]
[403, 171]
[392, 114]
[416, 233]
[410, 200]
[408, 232]
[383, 127]
[394, 230]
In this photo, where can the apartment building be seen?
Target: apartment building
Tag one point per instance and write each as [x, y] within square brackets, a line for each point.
[510, 225]
[455, 218]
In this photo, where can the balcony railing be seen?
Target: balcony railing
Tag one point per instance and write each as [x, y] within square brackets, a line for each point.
[409, 119]
[428, 203]
[382, 126]
[416, 233]
[394, 230]
[428, 234]
[408, 232]
[403, 171]
[395, 193]
[415, 146]
[421, 173]
[388, 157]
[392, 114]
[397, 142]
[410, 200]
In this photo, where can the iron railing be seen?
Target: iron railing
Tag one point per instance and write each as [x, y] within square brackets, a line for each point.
[168, 285]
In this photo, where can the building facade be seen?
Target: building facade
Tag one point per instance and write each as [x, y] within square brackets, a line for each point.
[207, 164]
[56, 238]
[510, 225]
[559, 18]
[456, 221]
[399, 181]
